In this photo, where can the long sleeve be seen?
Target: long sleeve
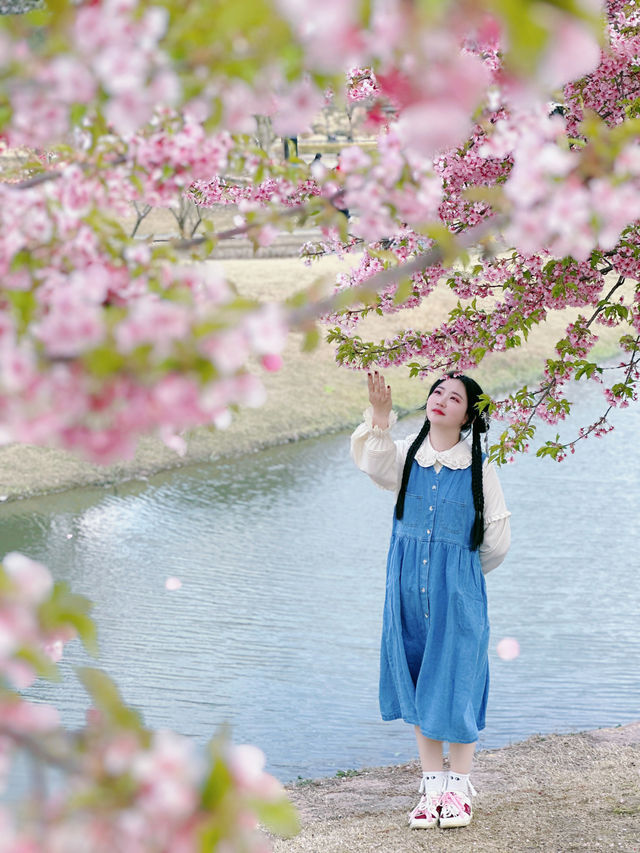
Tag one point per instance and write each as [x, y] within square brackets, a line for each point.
[497, 530]
[376, 453]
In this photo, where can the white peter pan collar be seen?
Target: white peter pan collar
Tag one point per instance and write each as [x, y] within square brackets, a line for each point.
[458, 456]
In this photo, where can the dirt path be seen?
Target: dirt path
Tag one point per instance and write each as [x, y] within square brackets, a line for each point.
[553, 794]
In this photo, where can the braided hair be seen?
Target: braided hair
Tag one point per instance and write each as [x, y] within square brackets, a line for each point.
[478, 423]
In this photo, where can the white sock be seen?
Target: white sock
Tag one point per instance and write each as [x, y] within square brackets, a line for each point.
[458, 782]
[433, 780]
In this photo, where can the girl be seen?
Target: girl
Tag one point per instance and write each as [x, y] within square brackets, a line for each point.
[450, 526]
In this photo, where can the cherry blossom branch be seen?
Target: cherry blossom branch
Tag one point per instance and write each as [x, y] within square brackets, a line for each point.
[43, 177]
[603, 303]
[38, 748]
[634, 360]
[435, 255]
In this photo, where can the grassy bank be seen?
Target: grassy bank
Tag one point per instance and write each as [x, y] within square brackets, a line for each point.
[311, 395]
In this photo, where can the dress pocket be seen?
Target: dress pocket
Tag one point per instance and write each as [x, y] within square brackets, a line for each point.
[471, 614]
[454, 514]
[413, 513]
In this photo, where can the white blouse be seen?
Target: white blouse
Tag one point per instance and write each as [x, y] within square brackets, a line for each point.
[378, 455]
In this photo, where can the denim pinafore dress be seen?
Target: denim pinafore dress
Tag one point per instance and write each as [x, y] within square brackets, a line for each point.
[434, 669]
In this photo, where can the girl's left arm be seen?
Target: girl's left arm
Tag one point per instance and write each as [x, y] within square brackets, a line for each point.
[497, 530]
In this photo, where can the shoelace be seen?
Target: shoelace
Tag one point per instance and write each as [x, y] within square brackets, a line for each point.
[451, 804]
[451, 800]
[429, 803]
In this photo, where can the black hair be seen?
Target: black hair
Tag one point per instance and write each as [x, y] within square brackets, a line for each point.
[478, 423]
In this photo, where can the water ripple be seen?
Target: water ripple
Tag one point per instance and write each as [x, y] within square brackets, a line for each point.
[276, 627]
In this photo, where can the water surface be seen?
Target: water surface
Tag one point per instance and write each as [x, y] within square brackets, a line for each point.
[275, 630]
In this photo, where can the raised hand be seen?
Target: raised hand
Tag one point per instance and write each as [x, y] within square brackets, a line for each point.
[380, 399]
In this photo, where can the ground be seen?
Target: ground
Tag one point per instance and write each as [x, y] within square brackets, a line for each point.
[554, 794]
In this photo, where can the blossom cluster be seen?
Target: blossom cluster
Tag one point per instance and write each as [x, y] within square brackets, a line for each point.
[104, 341]
[217, 190]
[362, 84]
[570, 221]
[168, 161]
[131, 343]
[113, 58]
[119, 786]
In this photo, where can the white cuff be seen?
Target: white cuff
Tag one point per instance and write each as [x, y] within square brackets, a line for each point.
[367, 416]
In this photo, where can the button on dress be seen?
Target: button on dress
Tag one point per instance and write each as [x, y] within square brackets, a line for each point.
[434, 670]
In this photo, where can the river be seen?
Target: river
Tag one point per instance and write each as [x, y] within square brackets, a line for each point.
[281, 556]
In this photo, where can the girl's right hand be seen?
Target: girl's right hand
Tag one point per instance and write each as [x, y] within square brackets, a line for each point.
[380, 399]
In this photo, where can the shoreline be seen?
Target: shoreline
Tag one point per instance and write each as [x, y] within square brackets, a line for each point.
[310, 396]
[558, 793]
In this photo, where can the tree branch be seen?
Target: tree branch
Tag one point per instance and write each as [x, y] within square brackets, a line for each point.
[307, 313]
[38, 749]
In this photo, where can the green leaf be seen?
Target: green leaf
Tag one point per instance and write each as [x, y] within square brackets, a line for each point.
[5, 115]
[24, 305]
[38, 17]
[364, 12]
[311, 339]
[65, 608]
[446, 241]
[279, 817]
[403, 291]
[106, 698]
[383, 255]
[484, 402]
[104, 361]
[217, 784]
[493, 196]
[40, 662]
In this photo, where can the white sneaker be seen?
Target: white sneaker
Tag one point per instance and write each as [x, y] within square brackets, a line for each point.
[426, 813]
[455, 809]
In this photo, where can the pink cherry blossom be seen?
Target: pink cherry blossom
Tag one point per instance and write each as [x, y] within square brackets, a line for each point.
[267, 329]
[296, 108]
[29, 717]
[573, 52]
[271, 362]
[69, 78]
[153, 322]
[169, 772]
[31, 578]
[508, 648]
[37, 120]
[54, 649]
[328, 32]
[20, 674]
[70, 328]
[228, 351]
[127, 112]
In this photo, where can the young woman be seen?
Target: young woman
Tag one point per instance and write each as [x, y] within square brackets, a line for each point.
[450, 527]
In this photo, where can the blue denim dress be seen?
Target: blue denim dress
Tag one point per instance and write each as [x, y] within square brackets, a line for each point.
[434, 669]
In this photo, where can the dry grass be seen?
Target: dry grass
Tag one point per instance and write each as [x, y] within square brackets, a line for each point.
[556, 794]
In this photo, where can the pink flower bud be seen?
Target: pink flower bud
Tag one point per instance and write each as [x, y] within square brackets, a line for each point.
[272, 362]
